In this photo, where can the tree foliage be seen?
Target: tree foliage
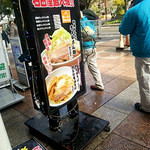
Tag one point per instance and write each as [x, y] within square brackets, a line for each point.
[90, 2]
[95, 9]
[121, 5]
[6, 8]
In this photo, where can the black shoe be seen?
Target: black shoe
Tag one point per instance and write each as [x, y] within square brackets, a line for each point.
[138, 106]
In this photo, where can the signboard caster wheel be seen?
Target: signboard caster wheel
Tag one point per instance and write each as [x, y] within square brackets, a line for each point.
[107, 129]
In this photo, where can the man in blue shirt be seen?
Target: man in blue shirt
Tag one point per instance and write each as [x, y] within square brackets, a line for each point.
[136, 22]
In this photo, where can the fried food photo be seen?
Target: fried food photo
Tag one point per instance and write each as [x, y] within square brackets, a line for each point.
[60, 88]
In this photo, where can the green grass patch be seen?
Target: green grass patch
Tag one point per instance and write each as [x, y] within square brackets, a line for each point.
[114, 20]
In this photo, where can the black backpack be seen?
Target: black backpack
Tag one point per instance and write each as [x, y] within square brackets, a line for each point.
[89, 14]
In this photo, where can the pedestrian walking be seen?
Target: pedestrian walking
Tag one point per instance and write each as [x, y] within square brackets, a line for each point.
[89, 51]
[13, 29]
[4, 36]
[136, 22]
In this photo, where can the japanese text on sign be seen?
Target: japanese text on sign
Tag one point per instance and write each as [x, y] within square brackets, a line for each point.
[53, 3]
[2, 67]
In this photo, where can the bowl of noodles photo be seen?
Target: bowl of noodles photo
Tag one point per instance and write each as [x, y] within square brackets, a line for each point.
[60, 86]
[64, 50]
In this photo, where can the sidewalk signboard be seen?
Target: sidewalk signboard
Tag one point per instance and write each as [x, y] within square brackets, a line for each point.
[7, 97]
[4, 70]
[53, 35]
[20, 66]
[31, 144]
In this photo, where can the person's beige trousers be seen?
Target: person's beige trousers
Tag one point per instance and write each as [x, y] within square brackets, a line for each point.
[91, 56]
[142, 66]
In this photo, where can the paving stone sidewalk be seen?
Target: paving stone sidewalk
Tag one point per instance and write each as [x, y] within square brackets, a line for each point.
[129, 128]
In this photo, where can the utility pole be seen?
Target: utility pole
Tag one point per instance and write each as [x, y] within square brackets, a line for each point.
[105, 11]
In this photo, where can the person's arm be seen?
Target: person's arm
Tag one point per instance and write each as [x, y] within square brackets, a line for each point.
[128, 23]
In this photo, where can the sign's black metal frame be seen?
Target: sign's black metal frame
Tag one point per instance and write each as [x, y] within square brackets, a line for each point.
[25, 13]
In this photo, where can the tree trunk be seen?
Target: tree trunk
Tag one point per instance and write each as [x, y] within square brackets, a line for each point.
[105, 11]
[125, 5]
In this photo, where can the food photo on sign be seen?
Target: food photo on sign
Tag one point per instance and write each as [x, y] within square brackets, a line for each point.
[59, 49]
[61, 58]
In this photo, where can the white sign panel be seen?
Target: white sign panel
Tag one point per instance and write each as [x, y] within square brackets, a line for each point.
[4, 71]
[20, 66]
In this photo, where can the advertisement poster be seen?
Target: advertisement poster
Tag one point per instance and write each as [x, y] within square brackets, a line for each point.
[57, 32]
[16, 49]
[20, 66]
[4, 71]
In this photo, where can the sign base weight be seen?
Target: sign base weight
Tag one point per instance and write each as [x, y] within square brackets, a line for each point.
[75, 134]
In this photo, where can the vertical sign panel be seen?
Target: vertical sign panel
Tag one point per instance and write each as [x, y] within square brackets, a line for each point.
[56, 28]
[4, 71]
[20, 66]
